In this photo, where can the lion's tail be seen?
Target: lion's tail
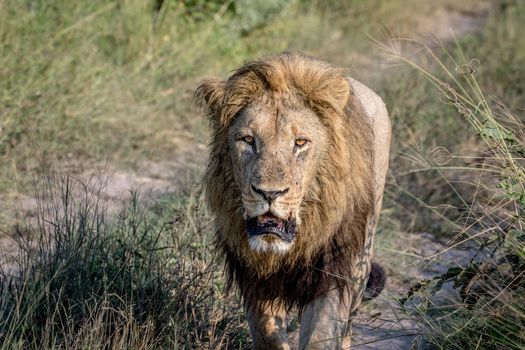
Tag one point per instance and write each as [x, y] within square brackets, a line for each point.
[376, 282]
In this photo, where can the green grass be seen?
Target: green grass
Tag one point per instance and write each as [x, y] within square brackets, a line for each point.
[83, 82]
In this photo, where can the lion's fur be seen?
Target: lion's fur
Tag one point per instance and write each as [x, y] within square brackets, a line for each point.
[336, 207]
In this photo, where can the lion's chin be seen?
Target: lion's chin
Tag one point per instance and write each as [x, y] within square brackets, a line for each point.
[269, 243]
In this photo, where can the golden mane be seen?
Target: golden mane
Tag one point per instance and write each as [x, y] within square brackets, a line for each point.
[336, 207]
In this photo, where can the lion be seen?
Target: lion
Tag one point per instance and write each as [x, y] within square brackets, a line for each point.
[295, 179]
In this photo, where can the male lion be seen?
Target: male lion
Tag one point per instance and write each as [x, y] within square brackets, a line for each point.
[299, 155]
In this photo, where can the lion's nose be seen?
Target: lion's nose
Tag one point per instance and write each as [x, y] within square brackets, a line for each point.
[270, 196]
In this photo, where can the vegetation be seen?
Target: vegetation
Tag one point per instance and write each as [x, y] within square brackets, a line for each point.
[111, 81]
[487, 312]
[141, 280]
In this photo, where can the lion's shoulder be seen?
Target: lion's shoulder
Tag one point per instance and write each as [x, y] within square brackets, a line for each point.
[373, 105]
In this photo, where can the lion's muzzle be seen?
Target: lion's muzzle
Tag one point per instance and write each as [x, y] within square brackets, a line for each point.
[269, 224]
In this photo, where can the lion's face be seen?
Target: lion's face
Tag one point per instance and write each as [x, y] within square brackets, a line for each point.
[275, 151]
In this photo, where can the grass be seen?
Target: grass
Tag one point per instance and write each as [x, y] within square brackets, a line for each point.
[111, 81]
[141, 280]
[429, 132]
[82, 82]
[486, 311]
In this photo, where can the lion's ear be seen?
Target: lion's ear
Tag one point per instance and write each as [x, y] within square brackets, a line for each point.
[210, 94]
[341, 91]
[333, 93]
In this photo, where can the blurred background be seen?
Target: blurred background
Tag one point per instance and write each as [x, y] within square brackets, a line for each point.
[106, 239]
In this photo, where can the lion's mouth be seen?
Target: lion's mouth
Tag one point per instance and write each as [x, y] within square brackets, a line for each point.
[269, 224]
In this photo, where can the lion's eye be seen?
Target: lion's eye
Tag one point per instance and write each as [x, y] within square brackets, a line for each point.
[248, 139]
[301, 142]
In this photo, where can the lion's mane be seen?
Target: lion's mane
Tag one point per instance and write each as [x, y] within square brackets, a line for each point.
[335, 208]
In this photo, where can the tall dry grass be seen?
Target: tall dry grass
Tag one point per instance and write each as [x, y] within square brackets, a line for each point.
[479, 305]
[144, 279]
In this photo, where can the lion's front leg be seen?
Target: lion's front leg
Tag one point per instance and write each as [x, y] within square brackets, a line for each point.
[267, 321]
[325, 322]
